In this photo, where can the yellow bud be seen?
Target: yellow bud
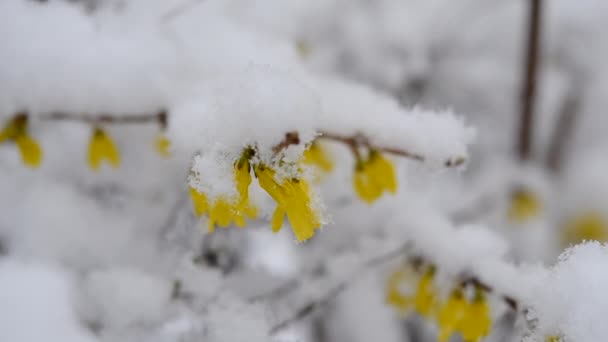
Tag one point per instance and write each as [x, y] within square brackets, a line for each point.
[163, 145]
[101, 147]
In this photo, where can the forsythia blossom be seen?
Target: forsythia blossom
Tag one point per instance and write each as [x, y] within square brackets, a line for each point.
[223, 211]
[524, 206]
[293, 200]
[587, 226]
[101, 147]
[163, 145]
[317, 156]
[373, 176]
[471, 318]
[476, 321]
[17, 132]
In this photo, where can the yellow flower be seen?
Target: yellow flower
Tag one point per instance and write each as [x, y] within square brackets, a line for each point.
[16, 131]
[293, 199]
[450, 314]
[374, 176]
[199, 202]
[553, 338]
[524, 206]
[395, 297]
[317, 156]
[221, 213]
[476, 322]
[384, 172]
[242, 177]
[588, 226]
[163, 145]
[223, 210]
[426, 297]
[101, 147]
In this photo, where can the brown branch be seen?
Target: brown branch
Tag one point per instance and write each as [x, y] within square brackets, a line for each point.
[510, 301]
[160, 118]
[564, 127]
[530, 80]
[360, 140]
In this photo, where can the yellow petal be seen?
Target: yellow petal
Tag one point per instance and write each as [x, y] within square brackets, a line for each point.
[524, 206]
[277, 219]
[221, 214]
[293, 196]
[110, 152]
[363, 183]
[317, 156]
[476, 322]
[163, 145]
[383, 172]
[267, 182]
[199, 202]
[101, 147]
[426, 294]
[31, 153]
[450, 314]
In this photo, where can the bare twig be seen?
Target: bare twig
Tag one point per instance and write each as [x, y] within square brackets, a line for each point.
[564, 126]
[160, 118]
[530, 80]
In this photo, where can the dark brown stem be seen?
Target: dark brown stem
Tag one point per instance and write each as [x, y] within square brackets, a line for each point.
[360, 141]
[160, 118]
[530, 80]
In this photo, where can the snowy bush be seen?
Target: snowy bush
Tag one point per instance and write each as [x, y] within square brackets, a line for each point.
[137, 137]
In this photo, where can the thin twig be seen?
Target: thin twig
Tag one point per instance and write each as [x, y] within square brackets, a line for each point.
[360, 140]
[530, 80]
[564, 126]
[160, 118]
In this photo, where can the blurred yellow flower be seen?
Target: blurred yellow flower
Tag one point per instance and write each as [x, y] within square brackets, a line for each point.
[16, 130]
[163, 145]
[101, 147]
[374, 176]
[317, 156]
[451, 314]
[476, 322]
[524, 206]
[587, 226]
